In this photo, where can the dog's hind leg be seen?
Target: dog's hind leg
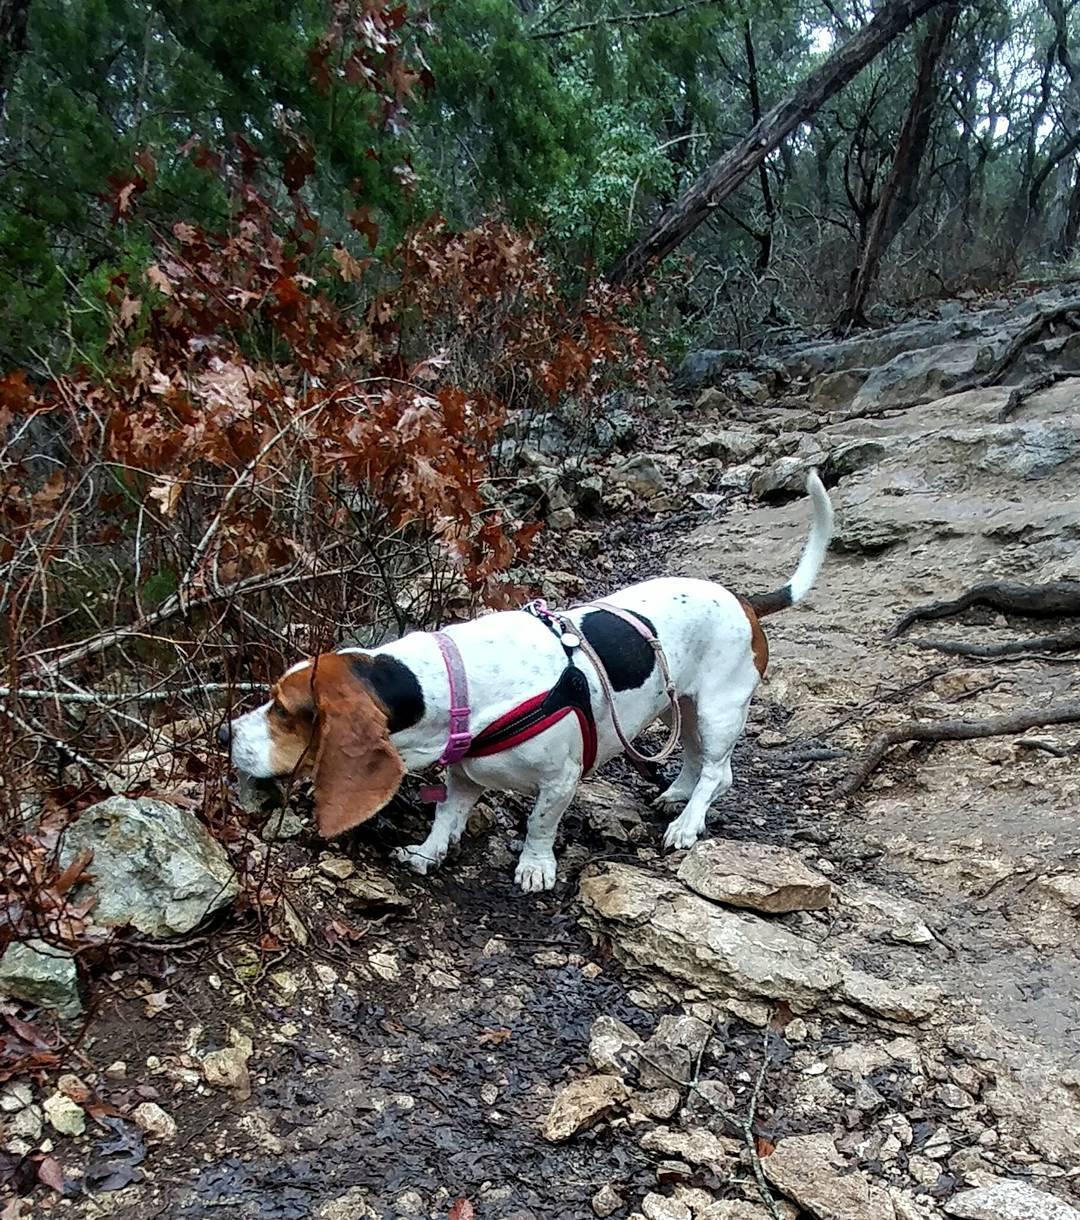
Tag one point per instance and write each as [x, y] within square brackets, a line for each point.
[448, 827]
[718, 731]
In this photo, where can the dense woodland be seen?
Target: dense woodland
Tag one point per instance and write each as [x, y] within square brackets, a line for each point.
[326, 320]
[952, 157]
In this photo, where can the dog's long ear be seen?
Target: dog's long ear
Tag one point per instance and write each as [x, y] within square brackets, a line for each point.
[357, 770]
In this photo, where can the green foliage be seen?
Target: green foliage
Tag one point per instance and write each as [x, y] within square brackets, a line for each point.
[580, 119]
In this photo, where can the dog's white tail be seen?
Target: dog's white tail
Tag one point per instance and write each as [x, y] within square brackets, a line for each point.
[813, 556]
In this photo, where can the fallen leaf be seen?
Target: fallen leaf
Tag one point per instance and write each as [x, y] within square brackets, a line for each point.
[462, 1210]
[167, 494]
[764, 1147]
[493, 1037]
[130, 308]
[156, 275]
[51, 1173]
[348, 267]
[156, 1003]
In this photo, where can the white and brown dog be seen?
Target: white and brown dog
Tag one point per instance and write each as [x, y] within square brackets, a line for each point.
[358, 719]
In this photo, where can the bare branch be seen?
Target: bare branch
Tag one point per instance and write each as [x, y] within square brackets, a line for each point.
[623, 19]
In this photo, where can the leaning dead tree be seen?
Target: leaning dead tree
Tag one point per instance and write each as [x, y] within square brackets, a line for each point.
[735, 166]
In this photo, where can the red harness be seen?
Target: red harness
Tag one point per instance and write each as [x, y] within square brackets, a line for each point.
[527, 720]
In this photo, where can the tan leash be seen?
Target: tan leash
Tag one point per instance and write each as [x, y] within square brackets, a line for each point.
[672, 742]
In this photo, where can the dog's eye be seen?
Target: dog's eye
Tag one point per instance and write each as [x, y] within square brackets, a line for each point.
[277, 710]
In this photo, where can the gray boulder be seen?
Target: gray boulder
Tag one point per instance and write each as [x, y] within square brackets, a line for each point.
[1008, 1199]
[155, 867]
[36, 973]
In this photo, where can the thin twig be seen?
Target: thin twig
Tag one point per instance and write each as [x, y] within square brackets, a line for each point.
[145, 696]
[621, 19]
[744, 1126]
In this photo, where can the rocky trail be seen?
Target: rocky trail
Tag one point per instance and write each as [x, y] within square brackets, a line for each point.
[836, 1007]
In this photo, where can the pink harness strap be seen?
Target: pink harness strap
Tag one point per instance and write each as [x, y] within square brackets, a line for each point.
[460, 739]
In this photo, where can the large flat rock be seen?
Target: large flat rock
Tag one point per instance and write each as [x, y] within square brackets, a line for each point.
[657, 923]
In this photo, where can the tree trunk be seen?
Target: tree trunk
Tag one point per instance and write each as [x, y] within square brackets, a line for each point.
[13, 16]
[765, 239]
[899, 192]
[1070, 229]
[734, 167]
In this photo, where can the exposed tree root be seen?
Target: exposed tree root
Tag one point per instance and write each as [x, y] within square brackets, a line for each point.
[1064, 641]
[1056, 599]
[1066, 312]
[955, 730]
[1018, 395]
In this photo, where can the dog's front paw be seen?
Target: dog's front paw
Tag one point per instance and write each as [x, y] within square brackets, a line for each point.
[682, 834]
[420, 858]
[535, 872]
[670, 797]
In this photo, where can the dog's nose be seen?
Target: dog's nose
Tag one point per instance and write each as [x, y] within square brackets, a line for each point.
[224, 734]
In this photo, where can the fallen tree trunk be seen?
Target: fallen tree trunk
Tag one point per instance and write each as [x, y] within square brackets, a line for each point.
[1056, 599]
[735, 166]
[955, 730]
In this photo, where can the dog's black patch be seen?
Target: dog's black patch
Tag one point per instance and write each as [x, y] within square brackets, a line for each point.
[395, 686]
[626, 655]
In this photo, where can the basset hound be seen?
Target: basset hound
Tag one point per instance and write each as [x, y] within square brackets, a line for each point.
[356, 720]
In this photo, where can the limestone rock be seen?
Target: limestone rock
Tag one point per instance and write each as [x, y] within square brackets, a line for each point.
[697, 1146]
[227, 1068]
[64, 1115]
[612, 1045]
[643, 475]
[1008, 1199]
[655, 923]
[922, 375]
[885, 914]
[809, 1170]
[352, 1205]
[156, 868]
[757, 876]
[606, 1201]
[662, 1207]
[39, 974]
[786, 476]
[672, 1051]
[731, 445]
[157, 1124]
[369, 888]
[741, 1209]
[851, 456]
[837, 389]
[659, 1103]
[582, 1104]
